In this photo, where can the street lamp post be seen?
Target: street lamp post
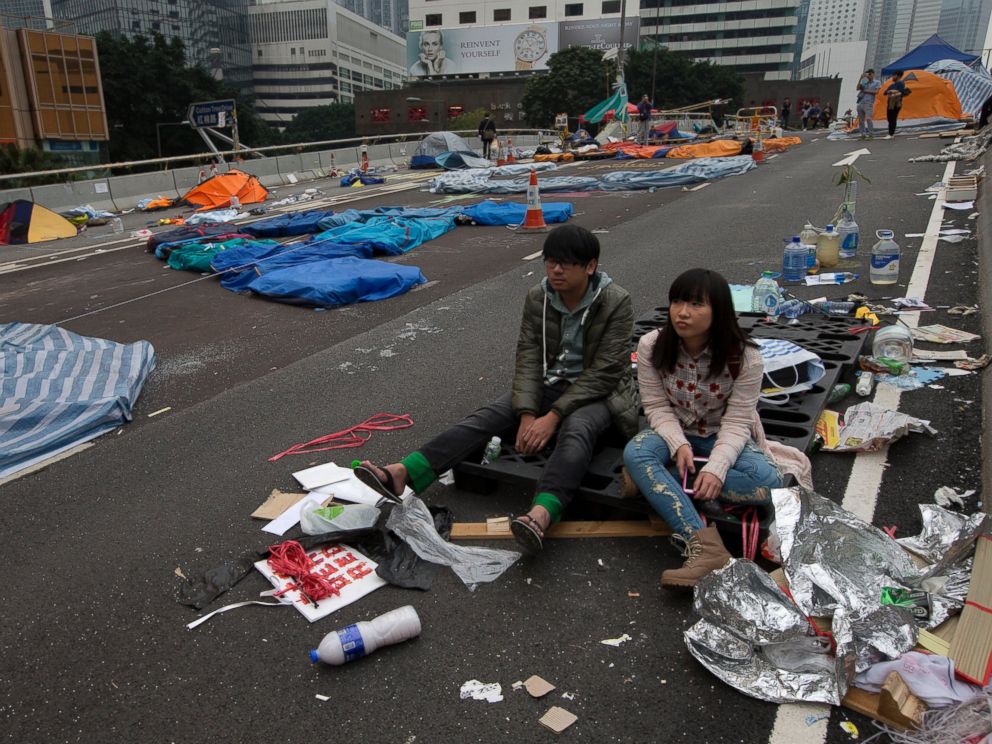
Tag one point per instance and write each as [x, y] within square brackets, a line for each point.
[158, 132]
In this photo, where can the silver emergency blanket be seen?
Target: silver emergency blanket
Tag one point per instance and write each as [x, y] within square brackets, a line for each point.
[743, 614]
[703, 169]
[836, 565]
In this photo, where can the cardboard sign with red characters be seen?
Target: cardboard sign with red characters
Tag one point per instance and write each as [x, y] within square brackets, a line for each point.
[351, 574]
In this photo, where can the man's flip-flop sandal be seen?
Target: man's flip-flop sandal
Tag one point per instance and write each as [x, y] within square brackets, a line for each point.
[528, 534]
[386, 487]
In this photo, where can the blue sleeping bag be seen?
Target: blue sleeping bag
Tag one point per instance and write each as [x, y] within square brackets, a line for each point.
[239, 266]
[335, 281]
[296, 223]
[512, 213]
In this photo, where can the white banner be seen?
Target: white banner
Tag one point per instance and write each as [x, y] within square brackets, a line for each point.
[456, 51]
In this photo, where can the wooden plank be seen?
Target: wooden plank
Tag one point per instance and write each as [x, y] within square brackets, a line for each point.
[866, 703]
[971, 646]
[611, 528]
[897, 703]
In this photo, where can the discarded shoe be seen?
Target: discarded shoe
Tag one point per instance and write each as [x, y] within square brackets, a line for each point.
[704, 553]
[385, 486]
[529, 535]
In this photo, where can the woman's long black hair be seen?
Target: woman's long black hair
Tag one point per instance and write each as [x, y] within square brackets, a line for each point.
[727, 339]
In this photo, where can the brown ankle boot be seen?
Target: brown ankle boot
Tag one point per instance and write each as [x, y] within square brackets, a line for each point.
[628, 489]
[704, 553]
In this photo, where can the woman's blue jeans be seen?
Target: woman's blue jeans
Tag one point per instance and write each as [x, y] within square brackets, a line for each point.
[647, 459]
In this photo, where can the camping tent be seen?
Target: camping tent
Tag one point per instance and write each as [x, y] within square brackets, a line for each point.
[972, 84]
[23, 221]
[217, 191]
[932, 101]
[930, 51]
[433, 145]
[617, 103]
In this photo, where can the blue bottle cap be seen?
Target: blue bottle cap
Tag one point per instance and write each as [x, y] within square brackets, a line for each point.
[314, 657]
[795, 239]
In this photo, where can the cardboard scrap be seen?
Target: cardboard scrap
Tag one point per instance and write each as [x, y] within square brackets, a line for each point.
[558, 719]
[971, 647]
[941, 334]
[498, 525]
[538, 687]
[491, 692]
[277, 502]
[973, 364]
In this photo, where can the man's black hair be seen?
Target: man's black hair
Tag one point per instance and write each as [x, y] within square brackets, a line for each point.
[571, 243]
[871, 70]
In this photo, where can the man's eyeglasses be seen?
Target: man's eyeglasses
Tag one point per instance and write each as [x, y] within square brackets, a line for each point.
[552, 262]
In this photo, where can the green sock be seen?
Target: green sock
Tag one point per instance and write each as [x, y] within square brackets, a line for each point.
[550, 502]
[418, 470]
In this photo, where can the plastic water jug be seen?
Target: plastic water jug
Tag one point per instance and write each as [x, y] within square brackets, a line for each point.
[361, 639]
[765, 298]
[828, 248]
[794, 261]
[884, 259]
[808, 238]
[894, 342]
[850, 236]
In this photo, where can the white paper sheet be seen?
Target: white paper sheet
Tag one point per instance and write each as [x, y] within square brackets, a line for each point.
[291, 516]
[959, 205]
[321, 475]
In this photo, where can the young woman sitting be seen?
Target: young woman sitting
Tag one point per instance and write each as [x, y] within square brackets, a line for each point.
[699, 378]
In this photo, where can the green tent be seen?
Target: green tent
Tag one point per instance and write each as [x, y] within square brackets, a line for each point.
[617, 103]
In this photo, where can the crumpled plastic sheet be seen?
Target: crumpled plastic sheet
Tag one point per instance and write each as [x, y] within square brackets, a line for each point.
[696, 171]
[867, 637]
[834, 559]
[941, 529]
[412, 523]
[742, 609]
[218, 215]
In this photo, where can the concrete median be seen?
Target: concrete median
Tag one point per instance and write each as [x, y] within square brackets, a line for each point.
[267, 170]
[59, 196]
[127, 191]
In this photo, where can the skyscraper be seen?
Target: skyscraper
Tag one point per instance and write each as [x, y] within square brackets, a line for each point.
[17, 12]
[390, 14]
[964, 23]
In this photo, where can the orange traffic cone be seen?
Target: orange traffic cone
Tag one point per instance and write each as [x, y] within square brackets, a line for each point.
[500, 154]
[534, 219]
[758, 151]
[509, 151]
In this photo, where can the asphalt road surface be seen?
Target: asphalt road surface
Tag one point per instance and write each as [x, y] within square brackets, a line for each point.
[94, 646]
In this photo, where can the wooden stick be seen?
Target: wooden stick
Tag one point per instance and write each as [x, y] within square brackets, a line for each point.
[612, 528]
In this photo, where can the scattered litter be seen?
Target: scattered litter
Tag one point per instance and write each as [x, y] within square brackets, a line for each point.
[909, 303]
[179, 572]
[236, 605]
[946, 496]
[962, 310]
[160, 410]
[868, 427]
[558, 719]
[955, 231]
[913, 380]
[600, 231]
[941, 334]
[930, 355]
[850, 729]
[517, 685]
[447, 478]
[498, 525]
[570, 695]
[812, 718]
[538, 687]
[951, 238]
[973, 215]
[277, 503]
[491, 692]
[959, 205]
[973, 364]
[322, 698]
[616, 641]
[633, 595]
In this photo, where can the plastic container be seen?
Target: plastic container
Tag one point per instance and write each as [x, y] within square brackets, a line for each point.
[316, 519]
[765, 298]
[894, 342]
[361, 639]
[865, 382]
[792, 309]
[828, 248]
[850, 236]
[839, 392]
[831, 307]
[493, 450]
[838, 277]
[885, 259]
[794, 261]
[808, 238]
[117, 224]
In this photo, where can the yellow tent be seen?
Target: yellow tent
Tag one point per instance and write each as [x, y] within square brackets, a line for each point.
[23, 221]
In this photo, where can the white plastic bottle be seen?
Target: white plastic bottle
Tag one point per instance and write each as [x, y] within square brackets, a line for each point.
[884, 259]
[765, 298]
[794, 261]
[828, 248]
[808, 239]
[117, 224]
[850, 236]
[493, 450]
[361, 639]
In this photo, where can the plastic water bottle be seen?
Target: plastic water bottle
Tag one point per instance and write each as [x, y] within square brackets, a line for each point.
[808, 238]
[828, 248]
[894, 342]
[118, 225]
[765, 298]
[884, 259]
[792, 309]
[850, 236]
[361, 639]
[838, 277]
[832, 307]
[794, 261]
[493, 450]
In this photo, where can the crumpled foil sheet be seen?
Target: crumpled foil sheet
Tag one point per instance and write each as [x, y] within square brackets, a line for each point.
[743, 609]
[836, 565]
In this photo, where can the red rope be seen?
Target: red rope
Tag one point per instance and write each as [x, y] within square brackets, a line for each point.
[353, 436]
[290, 559]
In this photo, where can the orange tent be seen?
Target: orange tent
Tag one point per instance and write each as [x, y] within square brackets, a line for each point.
[932, 100]
[216, 192]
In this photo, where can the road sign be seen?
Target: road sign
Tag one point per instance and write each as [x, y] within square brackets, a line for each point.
[212, 113]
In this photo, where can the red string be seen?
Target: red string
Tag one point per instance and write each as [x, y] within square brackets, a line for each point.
[291, 560]
[353, 436]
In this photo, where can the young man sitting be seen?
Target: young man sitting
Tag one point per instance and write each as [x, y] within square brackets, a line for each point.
[572, 380]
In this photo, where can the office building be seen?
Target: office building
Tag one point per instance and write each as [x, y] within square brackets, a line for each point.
[965, 23]
[26, 14]
[310, 53]
[213, 31]
[391, 14]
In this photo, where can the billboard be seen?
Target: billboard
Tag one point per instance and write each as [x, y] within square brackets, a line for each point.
[456, 51]
[599, 33]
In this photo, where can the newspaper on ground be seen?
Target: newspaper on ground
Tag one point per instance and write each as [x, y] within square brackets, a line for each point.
[868, 427]
[941, 334]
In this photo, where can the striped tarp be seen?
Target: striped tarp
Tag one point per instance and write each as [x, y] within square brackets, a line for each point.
[59, 389]
[972, 84]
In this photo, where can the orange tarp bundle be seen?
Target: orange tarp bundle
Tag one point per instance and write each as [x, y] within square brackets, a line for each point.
[216, 192]
[632, 149]
[715, 149]
[780, 144]
[160, 203]
[554, 157]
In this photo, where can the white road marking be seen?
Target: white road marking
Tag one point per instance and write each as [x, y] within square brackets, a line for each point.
[852, 156]
[861, 494]
[532, 256]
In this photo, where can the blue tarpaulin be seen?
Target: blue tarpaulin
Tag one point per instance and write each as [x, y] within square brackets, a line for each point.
[284, 225]
[511, 213]
[58, 390]
[335, 281]
[240, 265]
[461, 160]
[932, 50]
[390, 235]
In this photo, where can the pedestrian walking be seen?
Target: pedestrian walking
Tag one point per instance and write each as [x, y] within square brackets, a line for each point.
[487, 133]
[896, 91]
